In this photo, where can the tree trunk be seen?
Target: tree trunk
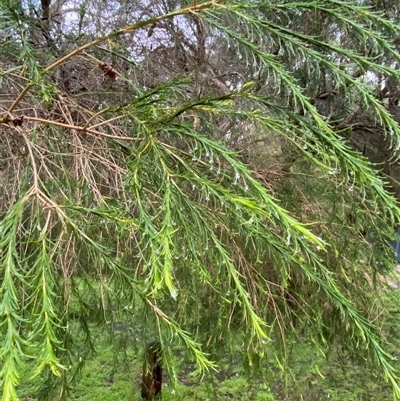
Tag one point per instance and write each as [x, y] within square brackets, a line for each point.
[152, 371]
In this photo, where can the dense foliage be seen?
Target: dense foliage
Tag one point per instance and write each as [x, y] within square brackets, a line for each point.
[138, 185]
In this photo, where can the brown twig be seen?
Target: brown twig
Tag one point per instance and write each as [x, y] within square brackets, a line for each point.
[33, 161]
[78, 128]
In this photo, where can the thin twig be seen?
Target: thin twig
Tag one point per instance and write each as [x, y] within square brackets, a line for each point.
[33, 161]
[78, 128]
[128, 29]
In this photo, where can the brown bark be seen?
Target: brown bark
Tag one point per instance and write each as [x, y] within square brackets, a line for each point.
[152, 372]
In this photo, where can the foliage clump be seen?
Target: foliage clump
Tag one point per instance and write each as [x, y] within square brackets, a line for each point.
[125, 194]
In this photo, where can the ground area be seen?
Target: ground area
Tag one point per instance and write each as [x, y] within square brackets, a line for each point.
[111, 375]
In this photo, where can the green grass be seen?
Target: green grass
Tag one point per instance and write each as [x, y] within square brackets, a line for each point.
[113, 375]
[109, 376]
